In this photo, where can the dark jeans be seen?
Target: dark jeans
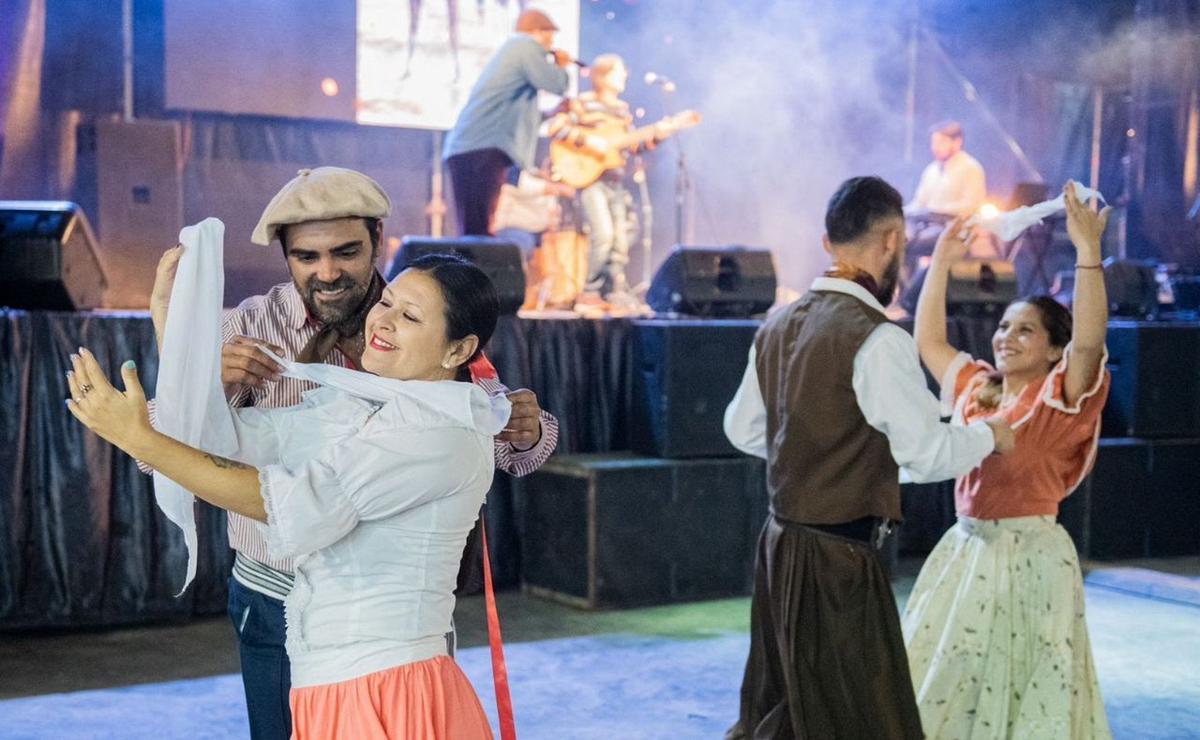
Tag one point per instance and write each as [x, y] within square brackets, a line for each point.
[266, 672]
[476, 178]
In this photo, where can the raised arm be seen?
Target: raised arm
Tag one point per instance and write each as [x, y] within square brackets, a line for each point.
[160, 294]
[1090, 304]
[929, 327]
[541, 73]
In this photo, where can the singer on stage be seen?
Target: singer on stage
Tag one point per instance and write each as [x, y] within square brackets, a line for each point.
[498, 127]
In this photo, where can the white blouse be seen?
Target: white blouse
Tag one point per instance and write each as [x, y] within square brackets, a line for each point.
[374, 498]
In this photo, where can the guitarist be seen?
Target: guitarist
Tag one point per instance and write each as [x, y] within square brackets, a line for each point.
[605, 201]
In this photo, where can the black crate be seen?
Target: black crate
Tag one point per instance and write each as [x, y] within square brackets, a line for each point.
[1141, 500]
[621, 530]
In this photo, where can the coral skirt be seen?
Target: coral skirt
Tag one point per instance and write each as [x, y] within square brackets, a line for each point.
[428, 700]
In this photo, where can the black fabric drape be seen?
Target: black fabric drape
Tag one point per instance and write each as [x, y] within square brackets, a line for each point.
[82, 542]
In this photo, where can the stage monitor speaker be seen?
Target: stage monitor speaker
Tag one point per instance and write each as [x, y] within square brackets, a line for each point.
[500, 259]
[620, 530]
[1132, 288]
[714, 282]
[1185, 289]
[48, 257]
[140, 198]
[1138, 502]
[980, 287]
[685, 374]
[1155, 389]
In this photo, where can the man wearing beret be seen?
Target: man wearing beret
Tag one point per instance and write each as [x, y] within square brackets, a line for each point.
[328, 221]
[498, 126]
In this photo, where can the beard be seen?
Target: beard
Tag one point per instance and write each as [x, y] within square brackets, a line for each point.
[345, 308]
[888, 281]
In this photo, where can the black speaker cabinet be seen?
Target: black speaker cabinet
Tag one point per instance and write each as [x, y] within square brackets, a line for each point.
[140, 197]
[975, 288]
[980, 287]
[1155, 370]
[620, 530]
[726, 282]
[1132, 288]
[48, 257]
[685, 374]
[500, 259]
[1141, 500]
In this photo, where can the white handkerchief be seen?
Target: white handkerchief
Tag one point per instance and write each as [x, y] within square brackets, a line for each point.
[1008, 225]
[191, 402]
[454, 399]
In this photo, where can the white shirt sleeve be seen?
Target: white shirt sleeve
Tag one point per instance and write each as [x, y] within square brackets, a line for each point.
[746, 415]
[895, 400]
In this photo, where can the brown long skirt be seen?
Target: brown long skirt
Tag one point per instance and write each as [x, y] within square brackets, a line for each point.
[827, 657]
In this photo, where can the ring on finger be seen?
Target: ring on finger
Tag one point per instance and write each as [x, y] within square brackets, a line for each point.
[85, 388]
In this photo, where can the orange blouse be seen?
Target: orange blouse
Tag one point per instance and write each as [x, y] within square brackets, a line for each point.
[1055, 442]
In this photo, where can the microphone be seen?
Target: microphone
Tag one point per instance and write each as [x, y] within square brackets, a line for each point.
[652, 78]
[571, 60]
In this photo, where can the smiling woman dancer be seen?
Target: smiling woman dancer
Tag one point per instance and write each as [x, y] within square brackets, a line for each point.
[372, 485]
[995, 629]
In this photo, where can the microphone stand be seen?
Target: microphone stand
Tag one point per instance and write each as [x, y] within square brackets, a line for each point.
[683, 178]
[647, 225]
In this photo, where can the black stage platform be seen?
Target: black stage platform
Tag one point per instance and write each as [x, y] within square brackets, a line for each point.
[82, 542]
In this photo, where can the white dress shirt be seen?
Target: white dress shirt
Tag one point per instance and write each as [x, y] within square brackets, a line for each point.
[893, 397]
[956, 187]
[374, 501]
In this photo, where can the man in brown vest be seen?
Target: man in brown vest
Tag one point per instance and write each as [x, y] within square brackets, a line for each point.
[835, 400]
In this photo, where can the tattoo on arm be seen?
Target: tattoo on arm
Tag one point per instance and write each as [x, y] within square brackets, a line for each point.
[226, 464]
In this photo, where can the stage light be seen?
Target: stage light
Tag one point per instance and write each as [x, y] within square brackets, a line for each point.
[639, 113]
[610, 16]
[329, 86]
[988, 211]
[1131, 133]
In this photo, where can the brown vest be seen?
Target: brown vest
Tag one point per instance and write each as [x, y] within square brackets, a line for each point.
[825, 464]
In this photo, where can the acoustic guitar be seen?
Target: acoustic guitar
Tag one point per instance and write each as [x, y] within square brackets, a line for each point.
[578, 166]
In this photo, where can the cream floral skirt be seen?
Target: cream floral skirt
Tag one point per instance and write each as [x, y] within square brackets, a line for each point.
[996, 635]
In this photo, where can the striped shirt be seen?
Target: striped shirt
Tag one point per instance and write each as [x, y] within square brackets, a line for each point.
[280, 318]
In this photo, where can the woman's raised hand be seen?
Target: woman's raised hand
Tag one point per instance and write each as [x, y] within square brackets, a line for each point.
[953, 244]
[119, 417]
[1084, 226]
[164, 282]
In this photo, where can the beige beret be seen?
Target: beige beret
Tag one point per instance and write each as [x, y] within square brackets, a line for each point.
[321, 194]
